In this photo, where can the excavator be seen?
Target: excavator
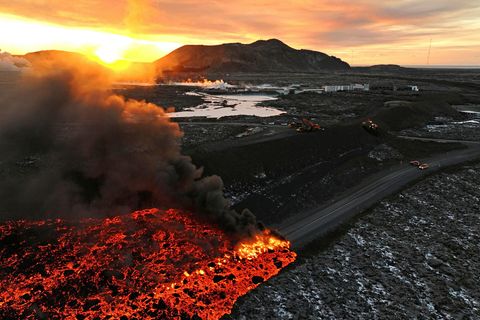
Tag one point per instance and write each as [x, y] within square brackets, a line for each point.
[371, 127]
[305, 126]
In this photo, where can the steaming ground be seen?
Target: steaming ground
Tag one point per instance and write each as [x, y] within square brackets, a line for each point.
[415, 255]
[9, 63]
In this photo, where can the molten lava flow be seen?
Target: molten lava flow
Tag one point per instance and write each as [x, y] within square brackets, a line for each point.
[150, 264]
[260, 245]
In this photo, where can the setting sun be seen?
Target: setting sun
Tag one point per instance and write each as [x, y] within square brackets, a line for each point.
[100, 44]
[108, 54]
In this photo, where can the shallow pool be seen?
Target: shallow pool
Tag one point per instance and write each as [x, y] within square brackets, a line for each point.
[218, 106]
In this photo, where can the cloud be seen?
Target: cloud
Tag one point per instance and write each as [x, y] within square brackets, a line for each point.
[316, 24]
[412, 9]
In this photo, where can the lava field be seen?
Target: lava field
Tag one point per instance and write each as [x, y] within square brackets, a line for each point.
[149, 264]
[414, 256]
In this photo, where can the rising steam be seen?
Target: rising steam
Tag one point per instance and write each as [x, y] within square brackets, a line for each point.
[68, 145]
[12, 63]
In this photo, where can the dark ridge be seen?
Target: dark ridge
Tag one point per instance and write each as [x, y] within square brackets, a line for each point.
[260, 56]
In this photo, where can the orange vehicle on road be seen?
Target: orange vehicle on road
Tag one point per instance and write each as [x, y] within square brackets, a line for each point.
[423, 166]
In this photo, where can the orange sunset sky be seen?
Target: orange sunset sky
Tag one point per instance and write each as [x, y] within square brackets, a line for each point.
[361, 32]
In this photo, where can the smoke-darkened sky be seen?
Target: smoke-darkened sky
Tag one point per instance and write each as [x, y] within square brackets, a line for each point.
[358, 31]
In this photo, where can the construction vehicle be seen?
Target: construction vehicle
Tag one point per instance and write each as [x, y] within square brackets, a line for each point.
[305, 126]
[415, 163]
[419, 165]
[424, 166]
[371, 127]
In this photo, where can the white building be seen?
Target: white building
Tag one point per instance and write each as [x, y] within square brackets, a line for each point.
[349, 87]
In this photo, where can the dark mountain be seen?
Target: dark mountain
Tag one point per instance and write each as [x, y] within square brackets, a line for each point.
[260, 56]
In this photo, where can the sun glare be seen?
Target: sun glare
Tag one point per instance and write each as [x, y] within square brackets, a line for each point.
[108, 54]
[107, 47]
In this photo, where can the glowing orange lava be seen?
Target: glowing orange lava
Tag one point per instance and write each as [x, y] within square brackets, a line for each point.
[150, 264]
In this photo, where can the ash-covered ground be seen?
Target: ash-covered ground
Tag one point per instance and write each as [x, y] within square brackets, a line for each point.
[414, 256]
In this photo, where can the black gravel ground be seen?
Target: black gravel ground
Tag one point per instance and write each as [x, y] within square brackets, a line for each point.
[414, 256]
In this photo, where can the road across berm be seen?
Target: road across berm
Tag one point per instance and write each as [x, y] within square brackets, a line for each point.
[317, 222]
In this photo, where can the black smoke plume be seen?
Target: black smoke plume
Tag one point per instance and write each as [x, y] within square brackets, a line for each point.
[68, 146]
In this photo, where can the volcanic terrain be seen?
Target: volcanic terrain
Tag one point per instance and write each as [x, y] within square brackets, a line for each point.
[149, 264]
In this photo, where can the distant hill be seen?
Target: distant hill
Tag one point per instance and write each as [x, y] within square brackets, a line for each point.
[386, 67]
[382, 68]
[56, 55]
[261, 56]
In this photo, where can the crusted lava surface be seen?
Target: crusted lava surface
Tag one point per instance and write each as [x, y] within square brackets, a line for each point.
[149, 264]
